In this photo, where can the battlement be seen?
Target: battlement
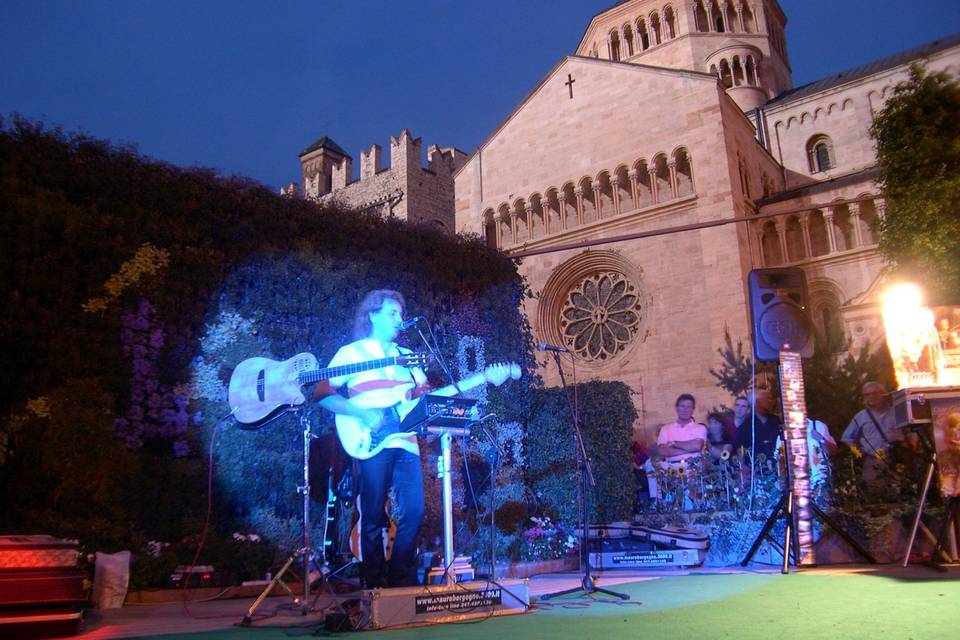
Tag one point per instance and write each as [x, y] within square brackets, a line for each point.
[406, 189]
[445, 161]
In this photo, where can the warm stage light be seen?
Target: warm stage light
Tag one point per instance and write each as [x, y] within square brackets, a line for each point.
[903, 296]
[912, 337]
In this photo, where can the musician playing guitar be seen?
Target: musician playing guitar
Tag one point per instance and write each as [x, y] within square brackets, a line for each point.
[369, 417]
[377, 322]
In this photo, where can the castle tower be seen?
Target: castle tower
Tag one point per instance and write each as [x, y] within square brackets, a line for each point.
[321, 163]
[739, 41]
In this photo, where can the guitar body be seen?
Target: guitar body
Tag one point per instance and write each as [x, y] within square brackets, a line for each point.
[362, 443]
[261, 386]
[358, 440]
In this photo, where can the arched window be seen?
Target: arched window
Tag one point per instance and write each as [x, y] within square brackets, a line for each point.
[770, 244]
[664, 190]
[819, 241]
[726, 76]
[489, 229]
[751, 72]
[748, 24]
[684, 171]
[717, 17]
[605, 203]
[614, 45]
[538, 219]
[506, 228]
[589, 204]
[520, 220]
[868, 222]
[642, 36]
[625, 191]
[644, 188]
[630, 46]
[669, 23]
[843, 232]
[820, 154]
[569, 205]
[654, 22]
[700, 16]
[737, 71]
[795, 250]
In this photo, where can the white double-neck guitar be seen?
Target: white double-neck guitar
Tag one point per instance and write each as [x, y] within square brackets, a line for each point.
[362, 442]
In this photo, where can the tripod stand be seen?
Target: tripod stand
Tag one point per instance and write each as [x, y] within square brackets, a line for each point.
[305, 553]
[795, 436]
[588, 584]
[952, 512]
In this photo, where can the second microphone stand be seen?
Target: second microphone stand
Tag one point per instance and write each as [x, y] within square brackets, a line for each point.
[588, 584]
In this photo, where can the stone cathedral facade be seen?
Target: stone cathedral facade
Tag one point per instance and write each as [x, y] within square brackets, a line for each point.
[614, 178]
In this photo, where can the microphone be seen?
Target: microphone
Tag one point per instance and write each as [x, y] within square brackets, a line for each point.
[406, 324]
[543, 346]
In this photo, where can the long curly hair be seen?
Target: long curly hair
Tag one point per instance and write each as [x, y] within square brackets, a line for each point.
[371, 302]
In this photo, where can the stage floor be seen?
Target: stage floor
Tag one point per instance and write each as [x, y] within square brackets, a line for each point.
[279, 611]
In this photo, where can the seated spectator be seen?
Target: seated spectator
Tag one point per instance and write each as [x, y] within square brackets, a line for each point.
[721, 434]
[676, 441]
[765, 423]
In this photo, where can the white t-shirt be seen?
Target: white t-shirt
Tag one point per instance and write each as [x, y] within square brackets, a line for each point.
[379, 388]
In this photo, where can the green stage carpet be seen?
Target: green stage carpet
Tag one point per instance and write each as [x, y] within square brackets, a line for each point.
[744, 606]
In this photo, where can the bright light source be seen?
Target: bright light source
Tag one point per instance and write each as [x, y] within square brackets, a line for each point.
[911, 336]
[903, 296]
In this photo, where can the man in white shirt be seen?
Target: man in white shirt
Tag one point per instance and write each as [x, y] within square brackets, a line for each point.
[375, 399]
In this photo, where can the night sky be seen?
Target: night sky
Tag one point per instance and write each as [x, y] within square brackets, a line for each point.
[244, 86]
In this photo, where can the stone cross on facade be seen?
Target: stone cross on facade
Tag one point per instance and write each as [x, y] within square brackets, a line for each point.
[569, 83]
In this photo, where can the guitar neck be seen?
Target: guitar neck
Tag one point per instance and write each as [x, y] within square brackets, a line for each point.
[308, 377]
[464, 385]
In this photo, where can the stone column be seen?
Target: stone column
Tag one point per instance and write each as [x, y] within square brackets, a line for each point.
[615, 187]
[782, 237]
[562, 203]
[739, 9]
[760, 16]
[578, 191]
[528, 209]
[708, 7]
[880, 205]
[672, 164]
[831, 238]
[634, 188]
[609, 48]
[654, 187]
[805, 228]
[598, 202]
[758, 238]
[855, 221]
[545, 208]
[498, 234]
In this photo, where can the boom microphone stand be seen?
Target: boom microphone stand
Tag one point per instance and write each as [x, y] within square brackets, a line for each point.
[588, 584]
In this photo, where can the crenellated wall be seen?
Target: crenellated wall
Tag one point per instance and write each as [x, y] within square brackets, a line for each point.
[405, 189]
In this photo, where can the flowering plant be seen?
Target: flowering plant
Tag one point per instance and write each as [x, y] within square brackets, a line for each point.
[547, 541]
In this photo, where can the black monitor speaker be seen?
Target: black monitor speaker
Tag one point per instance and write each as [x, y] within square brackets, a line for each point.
[778, 309]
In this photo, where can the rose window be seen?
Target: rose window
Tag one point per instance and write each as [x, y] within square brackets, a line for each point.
[600, 316]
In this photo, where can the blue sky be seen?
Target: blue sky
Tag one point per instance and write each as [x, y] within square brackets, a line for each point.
[243, 86]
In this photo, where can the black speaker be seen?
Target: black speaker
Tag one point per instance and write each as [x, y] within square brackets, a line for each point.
[778, 308]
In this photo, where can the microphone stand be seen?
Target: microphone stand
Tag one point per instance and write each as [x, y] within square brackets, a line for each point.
[588, 584]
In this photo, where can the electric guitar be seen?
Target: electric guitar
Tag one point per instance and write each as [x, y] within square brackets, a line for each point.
[261, 389]
[362, 442]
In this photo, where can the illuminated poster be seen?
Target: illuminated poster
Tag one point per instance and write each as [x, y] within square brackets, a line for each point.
[795, 429]
[946, 438]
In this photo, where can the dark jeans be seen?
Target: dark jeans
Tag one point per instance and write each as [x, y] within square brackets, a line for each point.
[401, 470]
